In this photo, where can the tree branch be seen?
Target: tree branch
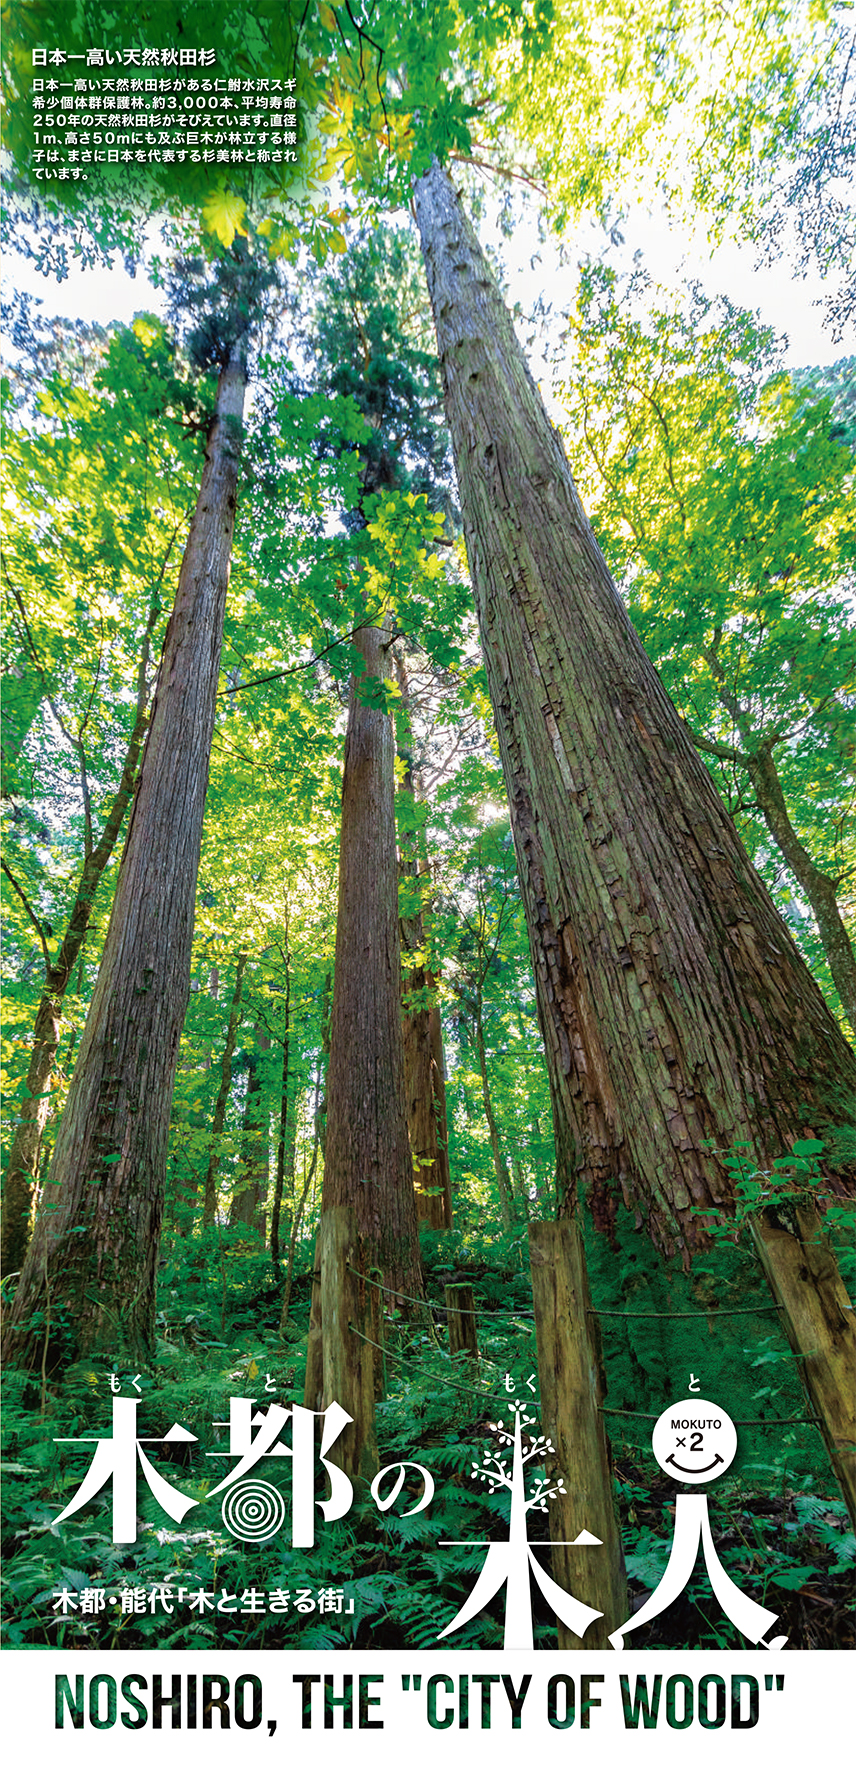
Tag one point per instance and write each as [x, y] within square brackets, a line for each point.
[34, 920]
[726, 753]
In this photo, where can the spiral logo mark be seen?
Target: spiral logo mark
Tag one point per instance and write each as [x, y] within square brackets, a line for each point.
[253, 1511]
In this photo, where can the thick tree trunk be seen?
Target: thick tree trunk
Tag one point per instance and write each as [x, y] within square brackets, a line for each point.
[424, 1058]
[314, 1382]
[572, 1390]
[461, 1320]
[252, 1189]
[348, 1356]
[817, 1317]
[674, 1003]
[368, 1164]
[326, 1023]
[21, 1178]
[209, 1211]
[424, 1069]
[541, 1176]
[425, 1086]
[93, 1256]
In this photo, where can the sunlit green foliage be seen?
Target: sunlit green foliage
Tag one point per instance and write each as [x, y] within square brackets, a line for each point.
[100, 476]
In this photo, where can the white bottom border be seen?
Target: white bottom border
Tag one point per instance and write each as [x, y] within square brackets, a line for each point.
[430, 1705]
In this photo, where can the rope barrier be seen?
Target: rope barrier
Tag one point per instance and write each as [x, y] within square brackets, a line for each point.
[677, 1315]
[470, 1390]
[633, 1414]
[498, 1315]
[394, 1294]
[435, 1304]
[641, 1415]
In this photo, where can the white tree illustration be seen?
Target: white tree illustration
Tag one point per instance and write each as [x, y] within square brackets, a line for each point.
[511, 1561]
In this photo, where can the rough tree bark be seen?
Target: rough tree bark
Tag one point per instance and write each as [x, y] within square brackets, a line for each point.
[572, 1390]
[90, 1268]
[368, 1165]
[674, 1003]
[424, 1057]
[21, 1179]
[425, 1075]
[209, 1203]
[541, 1177]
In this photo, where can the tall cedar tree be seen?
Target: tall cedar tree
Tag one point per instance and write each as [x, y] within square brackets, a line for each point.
[88, 1280]
[367, 1162]
[370, 354]
[746, 496]
[674, 1003]
[424, 1055]
[21, 1176]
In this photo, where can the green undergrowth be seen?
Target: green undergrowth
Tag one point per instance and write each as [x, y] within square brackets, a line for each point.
[386, 1580]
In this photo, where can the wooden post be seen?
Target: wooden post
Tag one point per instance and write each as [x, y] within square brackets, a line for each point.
[375, 1328]
[572, 1391]
[461, 1309]
[313, 1394]
[348, 1358]
[816, 1314]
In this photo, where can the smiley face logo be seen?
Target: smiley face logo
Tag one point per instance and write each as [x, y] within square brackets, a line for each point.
[694, 1441]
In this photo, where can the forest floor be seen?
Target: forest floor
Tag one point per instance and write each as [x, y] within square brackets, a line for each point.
[370, 1580]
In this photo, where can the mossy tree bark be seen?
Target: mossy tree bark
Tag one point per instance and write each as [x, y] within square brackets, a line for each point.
[92, 1260]
[674, 1004]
